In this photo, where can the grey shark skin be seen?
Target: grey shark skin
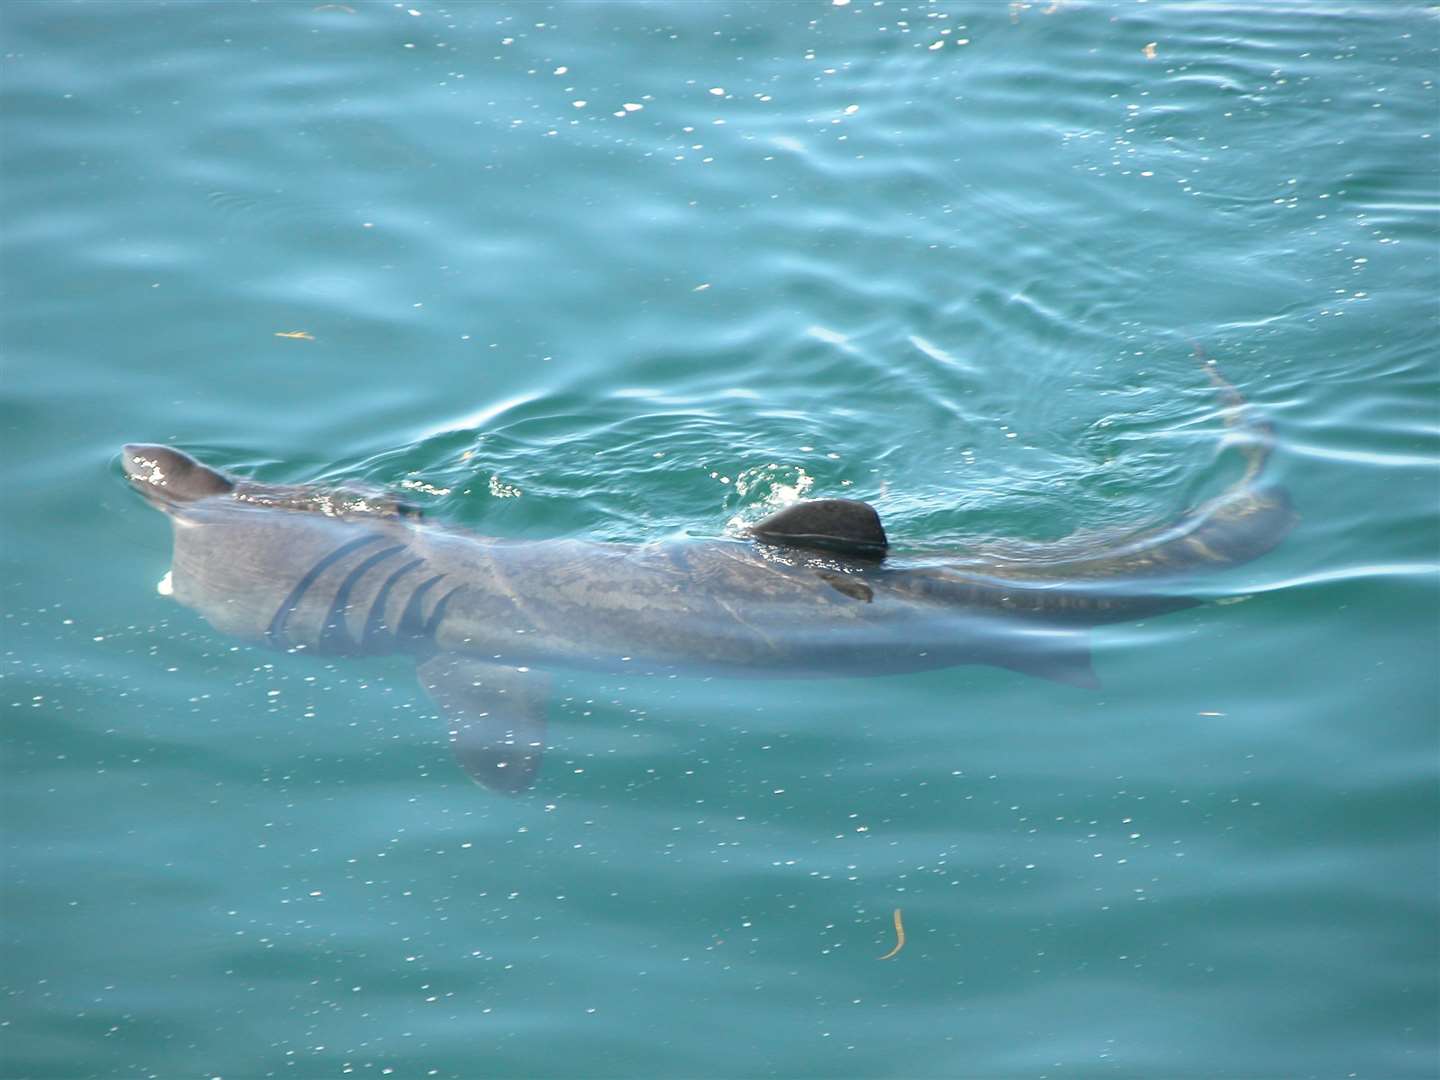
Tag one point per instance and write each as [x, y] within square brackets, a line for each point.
[347, 572]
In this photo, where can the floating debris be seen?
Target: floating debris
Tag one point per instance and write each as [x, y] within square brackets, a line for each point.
[298, 335]
[899, 937]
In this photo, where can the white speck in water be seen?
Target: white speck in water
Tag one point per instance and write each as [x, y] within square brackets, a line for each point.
[718, 91]
[501, 490]
[580, 104]
[824, 333]
[166, 585]
[851, 110]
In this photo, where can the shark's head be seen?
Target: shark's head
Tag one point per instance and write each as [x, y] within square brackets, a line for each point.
[169, 478]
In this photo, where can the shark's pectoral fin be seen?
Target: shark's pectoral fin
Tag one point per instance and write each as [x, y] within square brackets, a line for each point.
[496, 717]
[1063, 658]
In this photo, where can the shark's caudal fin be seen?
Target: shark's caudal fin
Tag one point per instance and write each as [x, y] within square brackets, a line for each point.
[496, 718]
[1238, 525]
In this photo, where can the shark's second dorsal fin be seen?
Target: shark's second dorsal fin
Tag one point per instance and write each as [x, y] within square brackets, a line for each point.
[847, 526]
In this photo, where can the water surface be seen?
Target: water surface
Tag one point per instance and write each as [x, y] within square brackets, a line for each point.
[630, 272]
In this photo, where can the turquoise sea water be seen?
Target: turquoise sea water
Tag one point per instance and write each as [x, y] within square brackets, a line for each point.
[641, 271]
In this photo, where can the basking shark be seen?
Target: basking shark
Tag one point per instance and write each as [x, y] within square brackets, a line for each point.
[813, 590]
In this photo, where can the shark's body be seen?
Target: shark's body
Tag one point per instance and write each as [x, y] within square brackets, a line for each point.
[813, 594]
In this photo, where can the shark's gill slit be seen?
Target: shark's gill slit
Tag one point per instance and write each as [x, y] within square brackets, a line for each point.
[275, 633]
[334, 632]
[412, 624]
[376, 629]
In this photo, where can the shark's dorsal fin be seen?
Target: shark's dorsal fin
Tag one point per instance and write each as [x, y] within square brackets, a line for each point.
[495, 715]
[847, 526]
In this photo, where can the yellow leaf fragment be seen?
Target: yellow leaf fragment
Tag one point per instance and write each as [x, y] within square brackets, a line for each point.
[1019, 6]
[899, 937]
[299, 335]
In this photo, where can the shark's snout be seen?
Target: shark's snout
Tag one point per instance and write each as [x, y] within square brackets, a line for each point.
[167, 475]
[132, 459]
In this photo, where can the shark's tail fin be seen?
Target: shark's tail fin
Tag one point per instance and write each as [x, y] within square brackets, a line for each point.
[1241, 523]
[1096, 577]
[1258, 434]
